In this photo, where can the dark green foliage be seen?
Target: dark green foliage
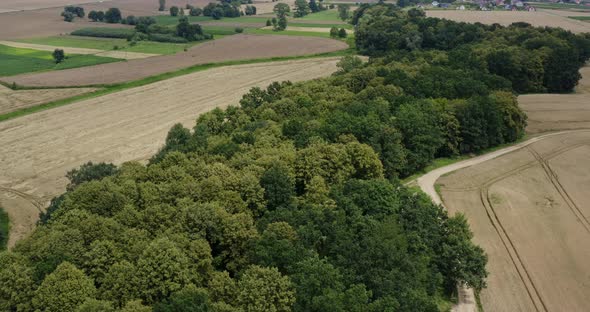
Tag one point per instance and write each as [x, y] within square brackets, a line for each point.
[70, 12]
[96, 16]
[344, 11]
[68, 16]
[104, 32]
[250, 10]
[113, 16]
[58, 56]
[341, 33]
[532, 59]
[220, 10]
[334, 32]
[89, 172]
[196, 12]
[174, 11]
[4, 229]
[268, 22]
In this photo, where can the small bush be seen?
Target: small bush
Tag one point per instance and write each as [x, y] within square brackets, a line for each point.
[195, 12]
[239, 30]
[342, 33]
[58, 56]
[333, 32]
[174, 11]
[100, 32]
[68, 17]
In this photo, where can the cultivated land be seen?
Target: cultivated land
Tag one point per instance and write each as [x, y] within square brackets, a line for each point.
[13, 100]
[239, 47]
[20, 5]
[80, 51]
[526, 205]
[539, 18]
[38, 149]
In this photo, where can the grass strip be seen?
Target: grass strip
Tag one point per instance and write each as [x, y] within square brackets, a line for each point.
[107, 89]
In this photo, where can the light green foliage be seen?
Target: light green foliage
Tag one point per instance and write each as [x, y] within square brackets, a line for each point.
[121, 283]
[17, 284]
[301, 8]
[162, 270]
[135, 306]
[64, 289]
[264, 289]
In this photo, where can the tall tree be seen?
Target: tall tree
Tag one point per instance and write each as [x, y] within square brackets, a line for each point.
[64, 289]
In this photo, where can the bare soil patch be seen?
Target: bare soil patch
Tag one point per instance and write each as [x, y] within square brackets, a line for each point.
[38, 149]
[530, 214]
[22, 5]
[238, 47]
[538, 18]
[11, 100]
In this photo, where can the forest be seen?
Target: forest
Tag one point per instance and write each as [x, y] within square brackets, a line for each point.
[292, 200]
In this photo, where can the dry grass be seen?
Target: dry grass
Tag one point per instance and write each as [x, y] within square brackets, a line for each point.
[11, 100]
[38, 149]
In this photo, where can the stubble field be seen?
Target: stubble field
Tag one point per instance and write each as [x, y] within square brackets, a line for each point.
[529, 209]
[13, 100]
[38, 149]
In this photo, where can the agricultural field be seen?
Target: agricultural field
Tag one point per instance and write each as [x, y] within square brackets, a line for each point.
[532, 200]
[539, 18]
[107, 44]
[13, 100]
[522, 205]
[123, 126]
[14, 61]
[249, 47]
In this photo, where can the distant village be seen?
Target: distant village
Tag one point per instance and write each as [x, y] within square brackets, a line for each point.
[489, 5]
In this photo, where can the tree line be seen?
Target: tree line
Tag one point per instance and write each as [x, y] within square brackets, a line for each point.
[533, 59]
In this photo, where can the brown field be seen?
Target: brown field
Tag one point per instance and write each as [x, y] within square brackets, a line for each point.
[38, 149]
[11, 100]
[22, 5]
[551, 112]
[238, 47]
[48, 22]
[539, 18]
[529, 208]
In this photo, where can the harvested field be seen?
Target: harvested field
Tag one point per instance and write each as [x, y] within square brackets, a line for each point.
[238, 47]
[551, 112]
[11, 100]
[528, 209]
[81, 51]
[305, 29]
[38, 149]
[539, 18]
[22, 5]
[263, 7]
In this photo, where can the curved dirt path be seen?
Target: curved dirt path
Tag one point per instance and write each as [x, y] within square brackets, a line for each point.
[84, 51]
[38, 149]
[427, 182]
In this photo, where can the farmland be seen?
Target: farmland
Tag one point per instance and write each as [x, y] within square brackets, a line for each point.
[266, 170]
[531, 200]
[14, 61]
[249, 47]
[539, 18]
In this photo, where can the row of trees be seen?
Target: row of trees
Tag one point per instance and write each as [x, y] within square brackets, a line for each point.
[532, 59]
[111, 16]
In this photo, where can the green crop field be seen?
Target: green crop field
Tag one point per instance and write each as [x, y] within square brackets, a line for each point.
[14, 61]
[110, 43]
[320, 25]
[581, 18]
[173, 20]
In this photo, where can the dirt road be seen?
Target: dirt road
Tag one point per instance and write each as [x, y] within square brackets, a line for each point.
[38, 149]
[69, 50]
